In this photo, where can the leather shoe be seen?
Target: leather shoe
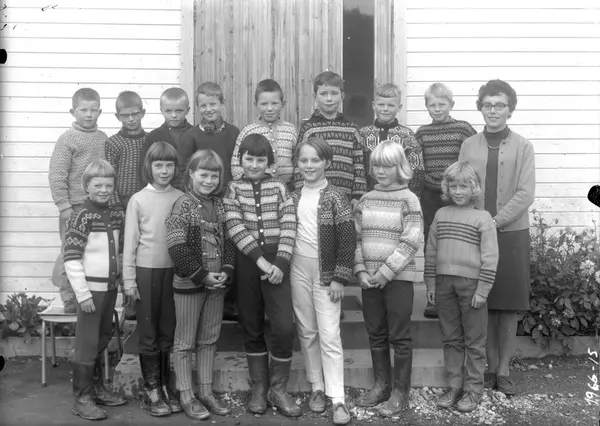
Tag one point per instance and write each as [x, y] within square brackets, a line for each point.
[490, 381]
[215, 405]
[468, 402]
[317, 401]
[449, 398]
[195, 410]
[341, 415]
[506, 385]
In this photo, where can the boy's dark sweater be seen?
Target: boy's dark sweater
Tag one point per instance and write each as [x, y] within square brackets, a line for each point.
[223, 143]
[123, 153]
[172, 136]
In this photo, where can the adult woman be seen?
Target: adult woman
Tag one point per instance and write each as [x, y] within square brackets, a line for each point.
[505, 162]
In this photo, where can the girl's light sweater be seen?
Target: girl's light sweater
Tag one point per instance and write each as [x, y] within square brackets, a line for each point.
[145, 231]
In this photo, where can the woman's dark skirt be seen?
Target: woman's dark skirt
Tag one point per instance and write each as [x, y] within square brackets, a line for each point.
[511, 288]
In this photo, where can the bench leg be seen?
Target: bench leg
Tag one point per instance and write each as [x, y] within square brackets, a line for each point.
[43, 354]
[53, 341]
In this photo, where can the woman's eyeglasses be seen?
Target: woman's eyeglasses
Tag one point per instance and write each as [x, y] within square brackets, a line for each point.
[498, 107]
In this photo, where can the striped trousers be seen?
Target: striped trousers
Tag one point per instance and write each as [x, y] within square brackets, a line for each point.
[199, 317]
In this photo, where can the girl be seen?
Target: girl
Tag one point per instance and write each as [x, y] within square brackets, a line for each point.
[204, 260]
[389, 227]
[148, 276]
[321, 267]
[460, 267]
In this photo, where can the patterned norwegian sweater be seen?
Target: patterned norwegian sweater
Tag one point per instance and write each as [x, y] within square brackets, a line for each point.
[192, 237]
[123, 153]
[336, 235]
[74, 151]
[462, 242]
[372, 135]
[389, 229]
[282, 136]
[261, 218]
[441, 144]
[92, 248]
[347, 170]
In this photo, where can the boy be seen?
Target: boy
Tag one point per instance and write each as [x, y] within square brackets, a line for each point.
[386, 127]
[174, 106]
[74, 150]
[261, 221]
[93, 249]
[441, 141]
[212, 132]
[269, 101]
[123, 149]
[347, 170]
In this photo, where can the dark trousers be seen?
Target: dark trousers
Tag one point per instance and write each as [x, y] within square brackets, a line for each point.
[431, 202]
[464, 332]
[94, 329]
[155, 310]
[387, 316]
[253, 298]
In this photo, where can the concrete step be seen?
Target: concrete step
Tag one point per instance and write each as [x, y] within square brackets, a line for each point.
[231, 372]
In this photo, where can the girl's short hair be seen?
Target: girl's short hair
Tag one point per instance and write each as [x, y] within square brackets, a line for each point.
[460, 172]
[390, 153]
[320, 145]
[497, 87]
[209, 88]
[97, 168]
[268, 85]
[257, 145]
[388, 90]
[158, 151]
[438, 90]
[205, 159]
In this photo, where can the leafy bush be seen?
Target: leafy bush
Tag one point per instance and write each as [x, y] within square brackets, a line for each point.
[565, 280]
[19, 317]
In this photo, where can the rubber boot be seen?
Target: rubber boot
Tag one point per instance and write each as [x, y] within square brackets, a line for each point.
[152, 399]
[165, 380]
[277, 394]
[400, 397]
[258, 368]
[380, 391]
[103, 395]
[83, 392]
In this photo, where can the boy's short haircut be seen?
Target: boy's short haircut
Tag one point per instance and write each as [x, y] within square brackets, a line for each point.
[209, 88]
[85, 94]
[460, 172]
[158, 151]
[388, 90]
[257, 145]
[438, 90]
[97, 168]
[390, 153]
[174, 94]
[328, 78]
[324, 150]
[267, 85]
[494, 88]
[128, 99]
[205, 159]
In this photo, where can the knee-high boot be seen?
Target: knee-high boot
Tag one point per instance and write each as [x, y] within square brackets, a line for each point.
[84, 393]
[258, 366]
[165, 379]
[103, 395]
[380, 391]
[277, 394]
[152, 399]
[400, 397]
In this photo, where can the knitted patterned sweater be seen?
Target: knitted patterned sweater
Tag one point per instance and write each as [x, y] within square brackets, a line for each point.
[92, 248]
[389, 229]
[347, 170]
[74, 150]
[335, 233]
[462, 242]
[283, 137]
[441, 144]
[370, 138]
[261, 217]
[123, 153]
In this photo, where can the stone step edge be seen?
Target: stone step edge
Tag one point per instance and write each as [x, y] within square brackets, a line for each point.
[231, 371]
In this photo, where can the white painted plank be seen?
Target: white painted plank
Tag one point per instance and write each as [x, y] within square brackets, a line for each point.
[19, 195]
[509, 29]
[27, 254]
[100, 31]
[482, 16]
[554, 190]
[24, 180]
[512, 4]
[503, 59]
[512, 70]
[523, 88]
[12, 149]
[571, 146]
[573, 219]
[26, 269]
[16, 164]
[64, 104]
[30, 239]
[28, 284]
[104, 4]
[65, 90]
[60, 119]
[518, 117]
[37, 224]
[473, 44]
[563, 131]
[66, 75]
[61, 15]
[591, 176]
[94, 61]
[28, 209]
[566, 161]
[110, 46]
[580, 204]
[589, 102]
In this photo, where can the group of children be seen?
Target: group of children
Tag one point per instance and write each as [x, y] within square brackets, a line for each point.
[286, 218]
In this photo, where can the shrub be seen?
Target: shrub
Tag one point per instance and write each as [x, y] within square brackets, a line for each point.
[19, 317]
[564, 283]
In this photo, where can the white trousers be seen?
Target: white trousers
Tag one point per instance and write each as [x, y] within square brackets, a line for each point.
[318, 323]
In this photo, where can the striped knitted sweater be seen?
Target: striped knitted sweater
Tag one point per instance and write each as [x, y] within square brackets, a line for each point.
[74, 151]
[370, 138]
[347, 171]
[389, 229]
[92, 248]
[441, 144]
[261, 216]
[283, 137]
[462, 242]
[123, 153]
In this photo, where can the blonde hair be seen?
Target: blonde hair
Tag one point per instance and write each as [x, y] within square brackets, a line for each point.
[438, 90]
[205, 159]
[461, 172]
[388, 90]
[390, 153]
[97, 168]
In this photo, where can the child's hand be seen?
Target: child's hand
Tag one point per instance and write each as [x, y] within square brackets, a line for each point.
[213, 281]
[263, 264]
[363, 280]
[88, 306]
[130, 296]
[431, 296]
[66, 214]
[378, 280]
[336, 291]
[275, 275]
[478, 301]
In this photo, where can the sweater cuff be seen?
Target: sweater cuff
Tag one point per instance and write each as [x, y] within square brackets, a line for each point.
[64, 205]
[342, 281]
[282, 264]
[255, 254]
[358, 268]
[129, 284]
[83, 296]
[430, 283]
[387, 272]
[483, 289]
[199, 276]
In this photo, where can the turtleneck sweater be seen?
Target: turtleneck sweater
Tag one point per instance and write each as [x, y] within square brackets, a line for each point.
[307, 234]
[123, 153]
